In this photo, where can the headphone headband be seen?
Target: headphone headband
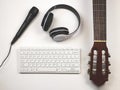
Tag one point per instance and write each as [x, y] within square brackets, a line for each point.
[64, 6]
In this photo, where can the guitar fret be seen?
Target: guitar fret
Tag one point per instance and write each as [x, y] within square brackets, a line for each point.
[98, 4]
[100, 20]
[99, 14]
[100, 17]
[99, 10]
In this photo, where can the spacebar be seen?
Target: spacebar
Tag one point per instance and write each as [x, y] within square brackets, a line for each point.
[46, 69]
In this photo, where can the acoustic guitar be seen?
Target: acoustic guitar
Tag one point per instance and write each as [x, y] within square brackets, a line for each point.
[99, 64]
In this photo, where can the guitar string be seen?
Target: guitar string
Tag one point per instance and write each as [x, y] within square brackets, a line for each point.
[98, 22]
[103, 23]
[95, 21]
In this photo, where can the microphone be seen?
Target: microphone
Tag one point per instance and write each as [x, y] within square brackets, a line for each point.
[31, 15]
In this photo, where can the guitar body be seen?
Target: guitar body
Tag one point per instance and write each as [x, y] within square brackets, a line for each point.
[99, 63]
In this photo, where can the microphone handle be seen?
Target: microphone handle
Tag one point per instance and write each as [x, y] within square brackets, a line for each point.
[31, 15]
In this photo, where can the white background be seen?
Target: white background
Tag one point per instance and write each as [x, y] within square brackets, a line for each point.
[12, 14]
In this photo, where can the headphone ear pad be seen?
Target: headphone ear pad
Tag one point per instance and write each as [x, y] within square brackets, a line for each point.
[59, 34]
[47, 21]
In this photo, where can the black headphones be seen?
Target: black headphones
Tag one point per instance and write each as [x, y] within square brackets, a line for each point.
[61, 33]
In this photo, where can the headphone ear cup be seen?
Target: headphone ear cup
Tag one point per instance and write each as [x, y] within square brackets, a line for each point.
[47, 21]
[59, 34]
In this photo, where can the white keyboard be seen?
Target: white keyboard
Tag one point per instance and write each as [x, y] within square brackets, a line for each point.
[36, 60]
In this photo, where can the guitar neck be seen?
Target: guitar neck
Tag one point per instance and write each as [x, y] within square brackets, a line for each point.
[99, 18]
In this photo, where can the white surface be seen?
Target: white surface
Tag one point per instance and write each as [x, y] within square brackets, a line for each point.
[12, 14]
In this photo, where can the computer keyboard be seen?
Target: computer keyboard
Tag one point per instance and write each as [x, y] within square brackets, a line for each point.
[36, 60]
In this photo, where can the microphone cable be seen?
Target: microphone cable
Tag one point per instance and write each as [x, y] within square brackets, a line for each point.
[6, 56]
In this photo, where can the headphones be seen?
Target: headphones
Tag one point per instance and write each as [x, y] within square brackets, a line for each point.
[60, 33]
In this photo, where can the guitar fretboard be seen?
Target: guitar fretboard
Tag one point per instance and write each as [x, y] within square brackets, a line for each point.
[99, 16]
